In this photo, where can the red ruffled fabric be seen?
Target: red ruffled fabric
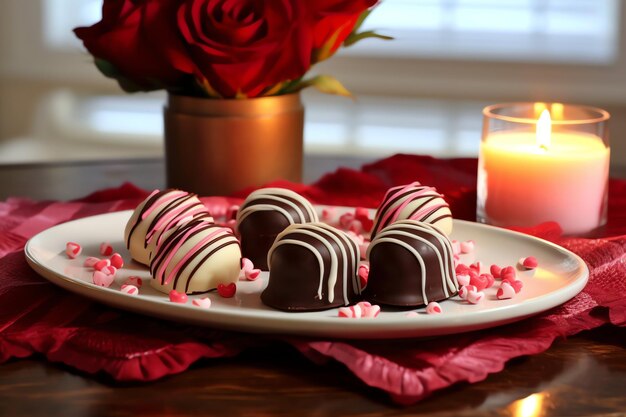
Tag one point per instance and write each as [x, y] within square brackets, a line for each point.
[38, 317]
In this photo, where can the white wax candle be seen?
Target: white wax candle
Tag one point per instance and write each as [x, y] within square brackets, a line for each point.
[524, 185]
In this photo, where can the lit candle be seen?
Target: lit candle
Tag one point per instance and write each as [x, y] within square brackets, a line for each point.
[528, 177]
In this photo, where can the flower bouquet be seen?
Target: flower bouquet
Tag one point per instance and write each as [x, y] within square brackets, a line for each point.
[223, 48]
[233, 70]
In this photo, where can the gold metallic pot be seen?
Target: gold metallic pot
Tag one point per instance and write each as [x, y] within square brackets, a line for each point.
[217, 147]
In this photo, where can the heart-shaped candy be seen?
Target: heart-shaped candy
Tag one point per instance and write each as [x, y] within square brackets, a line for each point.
[72, 250]
[202, 302]
[102, 279]
[227, 291]
[178, 297]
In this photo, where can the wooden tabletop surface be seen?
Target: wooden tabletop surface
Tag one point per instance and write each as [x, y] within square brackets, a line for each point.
[584, 375]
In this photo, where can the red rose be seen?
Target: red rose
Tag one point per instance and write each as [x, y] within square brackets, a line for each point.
[139, 38]
[242, 48]
[333, 21]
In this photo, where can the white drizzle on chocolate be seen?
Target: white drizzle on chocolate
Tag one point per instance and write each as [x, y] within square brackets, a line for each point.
[415, 202]
[418, 230]
[281, 200]
[326, 235]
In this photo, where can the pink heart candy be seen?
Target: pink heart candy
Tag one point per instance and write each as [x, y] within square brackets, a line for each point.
[178, 297]
[246, 264]
[361, 212]
[101, 279]
[102, 263]
[129, 289]
[433, 308]
[467, 246]
[202, 302]
[109, 270]
[508, 272]
[466, 289]
[529, 262]
[505, 291]
[346, 220]
[91, 261]
[363, 272]
[475, 297]
[345, 312]
[463, 279]
[72, 250]
[362, 309]
[476, 266]
[106, 249]
[371, 312]
[117, 260]
[327, 214]
[253, 274]
[479, 281]
[227, 291]
[490, 280]
[356, 226]
[462, 269]
[517, 285]
[495, 271]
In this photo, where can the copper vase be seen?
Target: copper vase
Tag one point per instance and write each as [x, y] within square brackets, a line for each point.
[217, 147]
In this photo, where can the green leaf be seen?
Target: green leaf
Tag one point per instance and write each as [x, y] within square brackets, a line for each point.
[325, 84]
[132, 87]
[360, 20]
[106, 68]
[110, 71]
[356, 37]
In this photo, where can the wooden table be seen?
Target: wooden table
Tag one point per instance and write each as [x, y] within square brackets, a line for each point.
[582, 376]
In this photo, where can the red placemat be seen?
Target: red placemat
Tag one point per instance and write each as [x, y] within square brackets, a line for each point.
[36, 316]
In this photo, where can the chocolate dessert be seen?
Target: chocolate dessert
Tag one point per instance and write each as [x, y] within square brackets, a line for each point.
[266, 213]
[411, 264]
[313, 266]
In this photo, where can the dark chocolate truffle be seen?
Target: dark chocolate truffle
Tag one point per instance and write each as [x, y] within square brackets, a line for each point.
[266, 213]
[313, 266]
[411, 264]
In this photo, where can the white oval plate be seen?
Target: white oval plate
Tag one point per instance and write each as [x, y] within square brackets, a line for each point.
[560, 277]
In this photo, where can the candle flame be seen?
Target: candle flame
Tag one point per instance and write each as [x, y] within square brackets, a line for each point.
[531, 406]
[544, 128]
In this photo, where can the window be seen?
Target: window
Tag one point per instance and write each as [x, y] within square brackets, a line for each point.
[573, 31]
[519, 30]
[61, 16]
[449, 58]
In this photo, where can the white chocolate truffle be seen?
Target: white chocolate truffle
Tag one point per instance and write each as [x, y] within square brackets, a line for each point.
[196, 258]
[160, 212]
[413, 202]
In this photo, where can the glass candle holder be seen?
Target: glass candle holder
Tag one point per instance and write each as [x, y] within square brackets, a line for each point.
[543, 162]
